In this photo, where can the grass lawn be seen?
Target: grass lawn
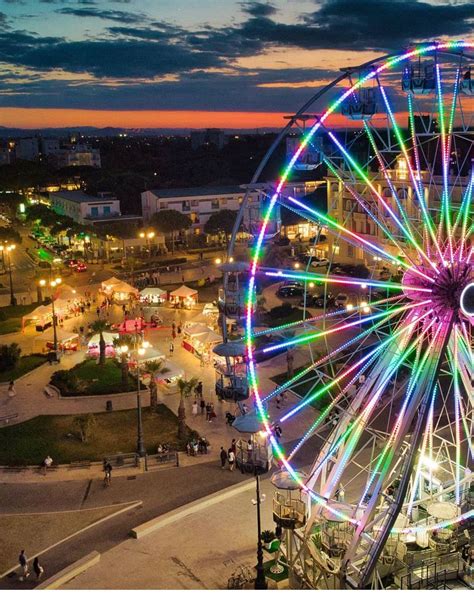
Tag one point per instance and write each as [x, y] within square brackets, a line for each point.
[12, 315]
[56, 435]
[25, 364]
[88, 378]
[36, 532]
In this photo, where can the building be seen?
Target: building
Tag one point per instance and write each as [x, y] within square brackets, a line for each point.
[77, 155]
[4, 156]
[27, 149]
[344, 208]
[198, 203]
[49, 147]
[89, 210]
[210, 136]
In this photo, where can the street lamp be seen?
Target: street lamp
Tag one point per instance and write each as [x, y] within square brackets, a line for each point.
[260, 581]
[53, 283]
[8, 250]
[140, 442]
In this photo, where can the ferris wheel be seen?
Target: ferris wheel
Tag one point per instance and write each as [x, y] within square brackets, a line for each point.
[379, 363]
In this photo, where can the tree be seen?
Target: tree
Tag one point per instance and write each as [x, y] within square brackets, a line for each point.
[9, 356]
[170, 221]
[153, 368]
[85, 425]
[101, 326]
[129, 341]
[221, 222]
[8, 234]
[185, 387]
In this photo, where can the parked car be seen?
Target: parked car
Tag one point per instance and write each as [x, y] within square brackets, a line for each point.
[290, 291]
[81, 267]
[71, 263]
[319, 262]
[319, 301]
[342, 299]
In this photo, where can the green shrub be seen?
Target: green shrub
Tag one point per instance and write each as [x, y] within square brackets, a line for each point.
[281, 311]
[9, 356]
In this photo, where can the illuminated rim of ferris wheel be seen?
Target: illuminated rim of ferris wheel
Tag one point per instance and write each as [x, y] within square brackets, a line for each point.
[439, 254]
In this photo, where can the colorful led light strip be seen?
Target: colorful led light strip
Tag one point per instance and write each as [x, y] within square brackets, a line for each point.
[451, 45]
[304, 276]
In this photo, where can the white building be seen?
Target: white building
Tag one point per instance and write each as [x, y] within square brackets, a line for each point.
[77, 155]
[198, 203]
[86, 209]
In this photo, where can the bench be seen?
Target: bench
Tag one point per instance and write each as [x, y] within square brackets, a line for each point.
[80, 465]
[7, 418]
[49, 392]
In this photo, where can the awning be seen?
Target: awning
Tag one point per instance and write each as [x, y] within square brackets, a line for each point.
[183, 292]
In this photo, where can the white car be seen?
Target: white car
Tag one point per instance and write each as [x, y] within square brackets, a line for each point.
[319, 262]
[210, 309]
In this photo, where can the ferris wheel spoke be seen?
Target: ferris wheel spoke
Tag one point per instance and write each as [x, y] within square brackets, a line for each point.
[463, 214]
[311, 337]
[445, 219]
[358, 339]
[407, 232]
[337, 279]
[428, 221]
[366, 206]
[314, 215]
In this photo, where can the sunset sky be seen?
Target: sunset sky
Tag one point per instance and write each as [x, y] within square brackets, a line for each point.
[194, 63]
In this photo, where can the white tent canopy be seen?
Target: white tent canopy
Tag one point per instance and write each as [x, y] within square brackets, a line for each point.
[183, 292]
[62, 335]
[108, 338]
[203, 334]
[151, 291]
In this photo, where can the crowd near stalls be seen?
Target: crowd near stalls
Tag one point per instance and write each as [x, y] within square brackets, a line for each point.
[183, 297]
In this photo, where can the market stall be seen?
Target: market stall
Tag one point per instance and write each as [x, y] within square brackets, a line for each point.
[171, 376]
[183, 297]
[200, 340]
[93, 345]
[153, 295]
[134, 325]
[67, 341]
[119, 291]
[41, 317]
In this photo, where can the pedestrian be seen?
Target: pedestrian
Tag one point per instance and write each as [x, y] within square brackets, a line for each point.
[173, 326]
[199, 388]
[38, 569]
[202, 405]
[231, 457]
[107, 472]
[233, 446]
[223, 456]
[208, 412]
[195, 408]
[173, 334]
[249, 451]
[11, 389]
[24, 565]
[179, 328]
[278, 401]
[46, 464]
[212, 414]
[171, 348]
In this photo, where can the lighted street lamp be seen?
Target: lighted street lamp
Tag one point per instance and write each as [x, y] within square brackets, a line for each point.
[7, 250]
[53, 283]
[140, 441]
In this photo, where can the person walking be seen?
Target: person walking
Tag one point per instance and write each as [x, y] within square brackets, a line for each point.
[24, 565]
[231, 458]
[202, 405]
[46, 464]
[223, 456]
[107, 473]
[11, 389]
[171, 348]
[208, 412]
[195, 408]
[233, 446]
[38, 569]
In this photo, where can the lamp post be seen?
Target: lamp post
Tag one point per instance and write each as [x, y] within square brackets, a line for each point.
[140, 442]
[260, 581]
[53, 283]
[8, 249]
[148, 235]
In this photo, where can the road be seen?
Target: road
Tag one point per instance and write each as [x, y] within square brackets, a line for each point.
[160, 491]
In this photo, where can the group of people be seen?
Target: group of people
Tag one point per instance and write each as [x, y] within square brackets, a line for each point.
[25, 572]
[228, 456]
[197, 446]
[147, 279]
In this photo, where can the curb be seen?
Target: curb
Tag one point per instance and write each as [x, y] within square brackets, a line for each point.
[94, 524]
[188, 510]
[70, 572]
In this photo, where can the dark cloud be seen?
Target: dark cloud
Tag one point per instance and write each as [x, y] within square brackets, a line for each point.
[258, 9]
[121, 16]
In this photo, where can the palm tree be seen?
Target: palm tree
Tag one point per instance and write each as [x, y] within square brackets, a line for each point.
[185, 387]
[153, 368]
[129, 342]
[101, 326]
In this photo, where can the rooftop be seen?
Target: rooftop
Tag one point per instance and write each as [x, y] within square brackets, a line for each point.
[200, 191]
[79, 196]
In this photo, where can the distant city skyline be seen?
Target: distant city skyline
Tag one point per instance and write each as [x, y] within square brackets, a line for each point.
[193, 64]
